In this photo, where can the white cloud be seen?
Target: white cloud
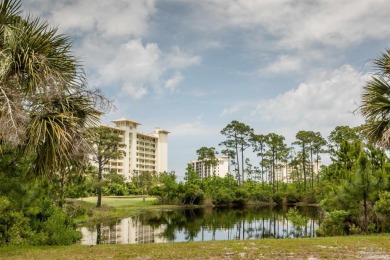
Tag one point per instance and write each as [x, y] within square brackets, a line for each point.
[136, 92]
[134, 68]
[300, 24]
[142, 69]
[171, 83]
[110, 41]
[133, 62]
[236, 107]
[108, 19]
[231, 110]
[179, 60]
[283, 64]
[320, 104]
[195, 128]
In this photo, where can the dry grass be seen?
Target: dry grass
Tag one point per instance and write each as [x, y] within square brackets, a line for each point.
[353, 247]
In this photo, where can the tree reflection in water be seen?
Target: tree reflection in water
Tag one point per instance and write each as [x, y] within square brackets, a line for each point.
[202, 224]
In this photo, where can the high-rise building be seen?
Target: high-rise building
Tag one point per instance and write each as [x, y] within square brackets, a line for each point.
[142, 152]
[220, 170]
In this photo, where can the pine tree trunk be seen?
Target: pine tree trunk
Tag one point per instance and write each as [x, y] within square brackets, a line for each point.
[99, 187]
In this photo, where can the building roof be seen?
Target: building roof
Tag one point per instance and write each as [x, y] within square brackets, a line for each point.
[159, 130]
[123, 119]
[112, 127]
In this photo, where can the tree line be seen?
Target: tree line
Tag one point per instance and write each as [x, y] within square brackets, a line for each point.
[353, 188]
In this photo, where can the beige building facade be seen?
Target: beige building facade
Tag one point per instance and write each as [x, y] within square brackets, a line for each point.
[220, 170]
[142, 152]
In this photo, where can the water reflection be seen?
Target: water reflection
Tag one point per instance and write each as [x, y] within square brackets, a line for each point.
[200, 225]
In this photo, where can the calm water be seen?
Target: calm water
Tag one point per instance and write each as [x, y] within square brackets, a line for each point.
[200, 225]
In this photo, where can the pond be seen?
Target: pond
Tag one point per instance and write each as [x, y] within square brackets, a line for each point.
[201, 224]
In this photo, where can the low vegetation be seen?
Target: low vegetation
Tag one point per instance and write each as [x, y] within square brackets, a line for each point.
[352, 247]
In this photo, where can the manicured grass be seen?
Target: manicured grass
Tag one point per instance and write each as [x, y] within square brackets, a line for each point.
[352, 247]
[124, 203]
[116, 207]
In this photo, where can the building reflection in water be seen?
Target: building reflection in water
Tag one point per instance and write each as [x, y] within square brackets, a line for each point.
[200, 225]
[124, 231]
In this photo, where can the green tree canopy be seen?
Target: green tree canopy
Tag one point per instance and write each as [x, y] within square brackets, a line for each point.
[106, 144]
[375, 105]
[44, 100]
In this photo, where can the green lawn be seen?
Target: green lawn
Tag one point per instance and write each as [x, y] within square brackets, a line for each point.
[116, 207]
[124, 203]
[353, 247]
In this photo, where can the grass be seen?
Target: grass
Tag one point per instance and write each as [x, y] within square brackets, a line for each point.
[116, 207]
[351, 247]
[124, 203]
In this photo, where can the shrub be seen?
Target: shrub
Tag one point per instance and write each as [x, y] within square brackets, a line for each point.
[73, 210]
[296, 219]
[223, 196]
[383, 204]
[260, 195]
[241, 195]
[14, 226]
[334, 223]
[277, 198]
[292, 197]
[60, 229]
[192, 194]
[132, 189]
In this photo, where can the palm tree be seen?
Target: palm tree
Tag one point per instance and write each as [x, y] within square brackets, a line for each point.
[376, 103]
[45, 104]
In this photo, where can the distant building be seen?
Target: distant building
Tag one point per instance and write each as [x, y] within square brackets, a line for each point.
[285, 173]
[220, 170]
[143, 152]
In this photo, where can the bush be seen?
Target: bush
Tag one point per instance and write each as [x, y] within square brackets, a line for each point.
[223, 196]
[292, 197]
[241, 195]
[14, 226]
[60, 229]
[74, 211]
[113, 188]
[132, 189]
[334, 224]
[383, 204]
[296, 219]
[260, 195]
[382, 209]
[192, 194]
[278, 198]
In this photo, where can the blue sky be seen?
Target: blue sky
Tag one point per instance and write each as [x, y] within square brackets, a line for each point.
[191, 67]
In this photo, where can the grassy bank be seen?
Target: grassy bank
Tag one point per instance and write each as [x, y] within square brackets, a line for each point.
[116, 207]
[353, 247]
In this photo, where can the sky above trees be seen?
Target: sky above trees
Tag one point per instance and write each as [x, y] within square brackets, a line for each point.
[192, 67]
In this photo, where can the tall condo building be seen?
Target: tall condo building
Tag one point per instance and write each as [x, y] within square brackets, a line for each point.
[221, 169]
[143, 152]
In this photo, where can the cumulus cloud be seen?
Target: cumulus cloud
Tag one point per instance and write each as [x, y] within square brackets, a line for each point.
[109, 37]
[171, 83]
[236, 107]
[140, 69]
[283, 64]
[136, 92]
[320, 104]
[194, 128]
[124, 18]
[178, 59]
[301, 24]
